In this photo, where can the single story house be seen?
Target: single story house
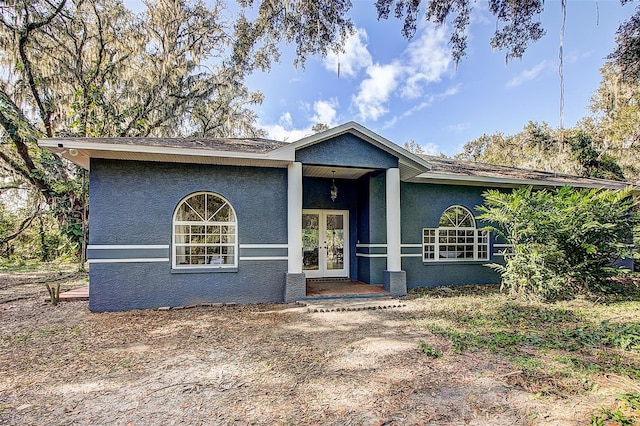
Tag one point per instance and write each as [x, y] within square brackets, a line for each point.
[178, 222]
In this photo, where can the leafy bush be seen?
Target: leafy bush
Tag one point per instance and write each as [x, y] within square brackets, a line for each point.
[564, 241]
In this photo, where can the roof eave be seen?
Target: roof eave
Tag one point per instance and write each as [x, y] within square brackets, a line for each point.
[81, 151]
[504, 182]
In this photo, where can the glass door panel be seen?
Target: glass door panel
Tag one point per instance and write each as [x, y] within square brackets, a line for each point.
[335, 242]
[310, 241]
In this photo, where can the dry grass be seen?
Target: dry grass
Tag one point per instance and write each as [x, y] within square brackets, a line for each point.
[278, 364]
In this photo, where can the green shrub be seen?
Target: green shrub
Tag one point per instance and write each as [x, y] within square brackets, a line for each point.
[564, 241]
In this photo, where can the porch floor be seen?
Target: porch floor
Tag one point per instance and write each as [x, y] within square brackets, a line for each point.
[78, 293]
[341, 287]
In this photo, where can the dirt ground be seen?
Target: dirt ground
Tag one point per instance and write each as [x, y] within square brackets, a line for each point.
[259, 364]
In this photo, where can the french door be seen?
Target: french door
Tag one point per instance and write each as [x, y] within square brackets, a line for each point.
[325, 243]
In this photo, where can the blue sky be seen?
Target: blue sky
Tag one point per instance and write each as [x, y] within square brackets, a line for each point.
[410, 90]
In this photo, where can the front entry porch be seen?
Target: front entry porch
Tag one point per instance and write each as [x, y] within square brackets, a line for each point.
[341, 287]
[341, 228]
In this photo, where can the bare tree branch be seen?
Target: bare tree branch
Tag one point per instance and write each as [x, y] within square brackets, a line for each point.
[24, 34]
[24, 225]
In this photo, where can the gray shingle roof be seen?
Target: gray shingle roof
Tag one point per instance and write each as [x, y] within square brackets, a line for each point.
[441, 165]
[256, 145]
[471, 168]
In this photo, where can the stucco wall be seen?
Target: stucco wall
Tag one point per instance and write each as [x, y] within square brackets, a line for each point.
[371, 228]
[346, 150]
[422, 205]
[132, 203]
[363, 228]
[377, 217]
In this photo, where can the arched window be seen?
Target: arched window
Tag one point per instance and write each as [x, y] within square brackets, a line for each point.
[456, 238]
[205, 232]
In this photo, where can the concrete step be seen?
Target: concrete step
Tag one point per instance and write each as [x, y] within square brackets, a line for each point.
[350, 304]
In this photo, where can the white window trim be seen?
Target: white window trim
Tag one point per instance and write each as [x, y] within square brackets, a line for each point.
[477, 235]
[204, 266]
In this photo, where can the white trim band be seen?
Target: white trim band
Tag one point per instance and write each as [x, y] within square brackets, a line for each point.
[264, 258]
[370, 255]
[137, 260]
[126, 246]
[264, 246]
[477, 180]
[411, 245]
[371, 245]
[411, 255]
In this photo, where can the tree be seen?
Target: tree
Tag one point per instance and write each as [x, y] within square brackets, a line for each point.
[564, 241]
[414, 147]
[12, 225]
[615, 122]
[93, 68]
[592, 161]
[314, 27]
[626, 55]
[537, 146]
[516, 24]
[319, 127]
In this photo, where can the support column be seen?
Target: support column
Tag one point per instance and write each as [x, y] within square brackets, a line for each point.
[395, 279]
[393, 220]
[294, 217]
[295, 283]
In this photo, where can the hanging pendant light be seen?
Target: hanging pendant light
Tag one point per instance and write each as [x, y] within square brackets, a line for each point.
[334, 188]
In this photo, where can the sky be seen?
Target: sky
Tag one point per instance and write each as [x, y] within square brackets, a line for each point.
[410, 90]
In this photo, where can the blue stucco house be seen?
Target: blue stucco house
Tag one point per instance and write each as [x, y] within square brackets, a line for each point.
[178, 222]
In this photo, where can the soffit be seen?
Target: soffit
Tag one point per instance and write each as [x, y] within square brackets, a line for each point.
[502, 182]
[340, 172]
[408, 171]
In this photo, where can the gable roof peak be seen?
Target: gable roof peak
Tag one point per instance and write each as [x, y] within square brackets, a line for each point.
[415, 164]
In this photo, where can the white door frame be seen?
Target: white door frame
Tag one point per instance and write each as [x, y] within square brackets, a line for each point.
[322, 270]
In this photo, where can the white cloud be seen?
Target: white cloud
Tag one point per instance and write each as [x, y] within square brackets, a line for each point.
[285, 119]
[431, 148]
[353, 59]
[425, 61]
[325, 112]
[428, 59]
[574, 57]
[459, 127]
[280, 133]
[528, 75]
[480, 14]
[375, 90]
[422, 105]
